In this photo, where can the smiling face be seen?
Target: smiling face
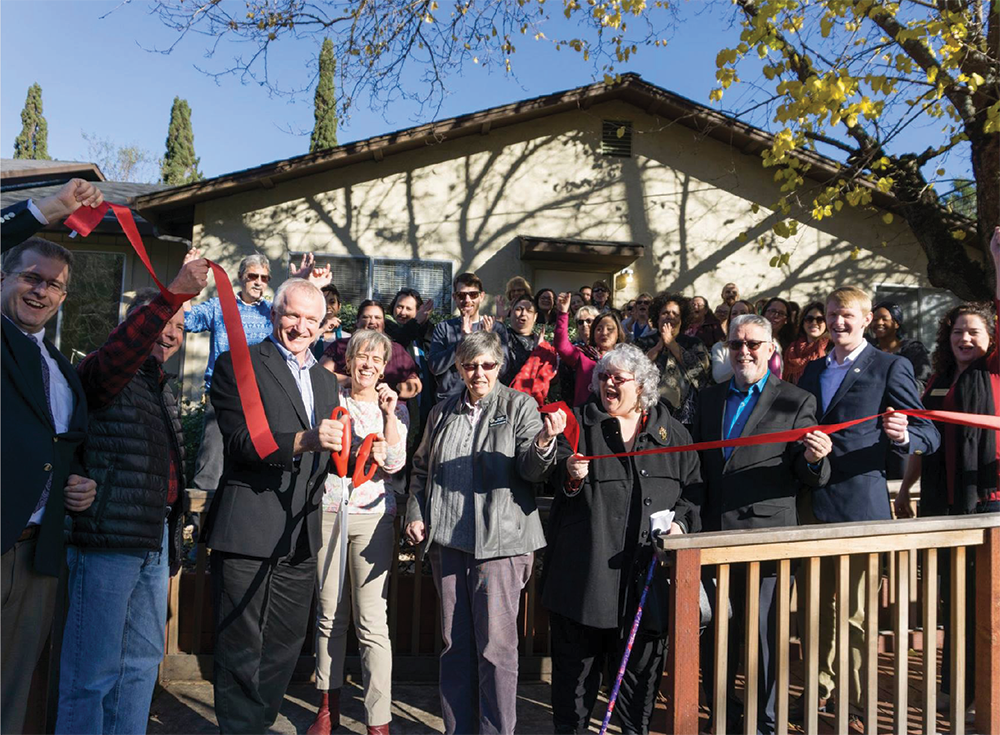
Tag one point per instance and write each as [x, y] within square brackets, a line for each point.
[586, 293]
[253, 282]
[523, 317]
[33, 294]
[776, 313]
[575, 303]
[546, 301]
[883, 325]
[468, 299]
[698, 308]
[749, 365]
[600, 296]
[730, 294]
[970, 339]
[296, 321]
[847, 325]
[642, 307]
[814, 324]
[366, 367]
[372, 317]
[722, 312]
[480, 375]
[605, 334]
[619, 392]
[170, 339]
[405, 309]
[332, 304]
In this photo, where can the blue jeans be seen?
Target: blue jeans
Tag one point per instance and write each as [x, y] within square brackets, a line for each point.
[114, 638]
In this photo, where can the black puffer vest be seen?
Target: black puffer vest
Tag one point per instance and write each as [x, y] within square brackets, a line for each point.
[128, 454]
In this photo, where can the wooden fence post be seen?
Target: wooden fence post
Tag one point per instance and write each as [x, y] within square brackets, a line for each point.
[683, 664]
[987, 632]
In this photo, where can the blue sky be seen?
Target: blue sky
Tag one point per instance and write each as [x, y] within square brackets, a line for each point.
[97, 77]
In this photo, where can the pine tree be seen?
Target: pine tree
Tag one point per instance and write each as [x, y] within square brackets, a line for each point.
[180, 166]
[33, 142]
[324, 133]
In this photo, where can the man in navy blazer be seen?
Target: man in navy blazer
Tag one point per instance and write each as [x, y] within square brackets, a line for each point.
[856, 380]
[43, 425]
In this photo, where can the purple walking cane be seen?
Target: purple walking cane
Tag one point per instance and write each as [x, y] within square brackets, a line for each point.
[628, 646]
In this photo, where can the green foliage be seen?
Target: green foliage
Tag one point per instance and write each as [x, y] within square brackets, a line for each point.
[180, 166]
[324, 134]
[192, 424]
[33, 140]
[963, 198]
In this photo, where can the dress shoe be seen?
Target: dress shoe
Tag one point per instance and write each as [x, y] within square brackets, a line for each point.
[328, 717]
[379, 730]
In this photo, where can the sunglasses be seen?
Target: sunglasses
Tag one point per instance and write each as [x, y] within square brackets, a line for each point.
[643, 302]
[581, 322]
[775, 312]
[470, 367]
[616, 379]
[262, 277]
[462, 295]
[599, 289]
[736, 345]
[813, 320]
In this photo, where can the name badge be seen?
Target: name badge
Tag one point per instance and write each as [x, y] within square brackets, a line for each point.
[939, 391]
[498, 421]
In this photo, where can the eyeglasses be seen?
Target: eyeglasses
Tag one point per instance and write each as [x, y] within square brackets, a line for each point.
[470, 367]
[599, 289]
[581, 322]
[775, 312]
[463, 295]
[736, 345]
[616, 379]
[813, 320]
[643, 302]
[262, 277]
[33, 280]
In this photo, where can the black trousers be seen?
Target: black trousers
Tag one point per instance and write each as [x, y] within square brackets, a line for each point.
[767, 646]
[580, 655]
[261, 616]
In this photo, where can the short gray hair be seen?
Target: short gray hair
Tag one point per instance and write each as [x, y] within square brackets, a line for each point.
[365, 338]
[480, 343]
[258, 259]
[585, 311]
[630, 359]
[753, 320]
[295, 284]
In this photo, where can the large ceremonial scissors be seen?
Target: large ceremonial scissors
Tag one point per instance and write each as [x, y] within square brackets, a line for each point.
[363, 472]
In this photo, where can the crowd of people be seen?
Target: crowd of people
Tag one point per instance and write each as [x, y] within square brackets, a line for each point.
[94, 483]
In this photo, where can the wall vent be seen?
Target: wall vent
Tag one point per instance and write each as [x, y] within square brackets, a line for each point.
[616, 138]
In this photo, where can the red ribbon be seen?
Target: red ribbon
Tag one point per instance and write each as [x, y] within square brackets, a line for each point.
[85, 219]
[979, 421]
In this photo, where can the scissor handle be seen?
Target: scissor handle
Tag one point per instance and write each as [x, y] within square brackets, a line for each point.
[340, 459]
[361, 473]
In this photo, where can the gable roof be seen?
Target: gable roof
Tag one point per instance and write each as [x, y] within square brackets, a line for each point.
[176, 204]
[18, 172]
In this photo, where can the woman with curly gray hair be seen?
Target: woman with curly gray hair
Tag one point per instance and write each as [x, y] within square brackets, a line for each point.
[599, 544]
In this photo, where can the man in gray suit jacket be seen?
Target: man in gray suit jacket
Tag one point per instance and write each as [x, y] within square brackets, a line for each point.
[754, 487]
[264, 525]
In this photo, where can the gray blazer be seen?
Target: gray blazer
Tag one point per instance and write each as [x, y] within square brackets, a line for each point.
[506, 463]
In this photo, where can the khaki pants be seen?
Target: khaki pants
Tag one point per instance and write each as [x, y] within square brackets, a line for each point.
[828, 618]
[29, 603]
[370, 554]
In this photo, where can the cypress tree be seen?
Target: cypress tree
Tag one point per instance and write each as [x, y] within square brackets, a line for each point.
[324, 134]
[33, 142]
[180, 166]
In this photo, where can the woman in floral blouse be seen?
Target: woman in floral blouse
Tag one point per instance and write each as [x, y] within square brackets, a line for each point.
[371, 508]
[684, 362]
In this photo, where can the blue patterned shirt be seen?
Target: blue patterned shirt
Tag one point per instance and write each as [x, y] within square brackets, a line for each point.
[207, 317]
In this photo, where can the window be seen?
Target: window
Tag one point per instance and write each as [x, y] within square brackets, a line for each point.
[358, 278]
[92, 306]
[616, 138]
[922, 309]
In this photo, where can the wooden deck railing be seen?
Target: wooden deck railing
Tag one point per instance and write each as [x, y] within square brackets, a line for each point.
[908, 543]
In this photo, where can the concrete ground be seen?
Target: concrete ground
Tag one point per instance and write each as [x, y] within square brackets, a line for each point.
[187, 707]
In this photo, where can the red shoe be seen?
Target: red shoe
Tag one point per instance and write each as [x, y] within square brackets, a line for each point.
[328, 717]
[380, 730]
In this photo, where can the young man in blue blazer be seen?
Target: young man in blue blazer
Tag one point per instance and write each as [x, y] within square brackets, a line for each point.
[856, 380]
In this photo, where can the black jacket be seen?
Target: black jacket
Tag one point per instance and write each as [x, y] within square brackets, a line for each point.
[587, 531]
[757, 485]
[129, 448]
[262, 506]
